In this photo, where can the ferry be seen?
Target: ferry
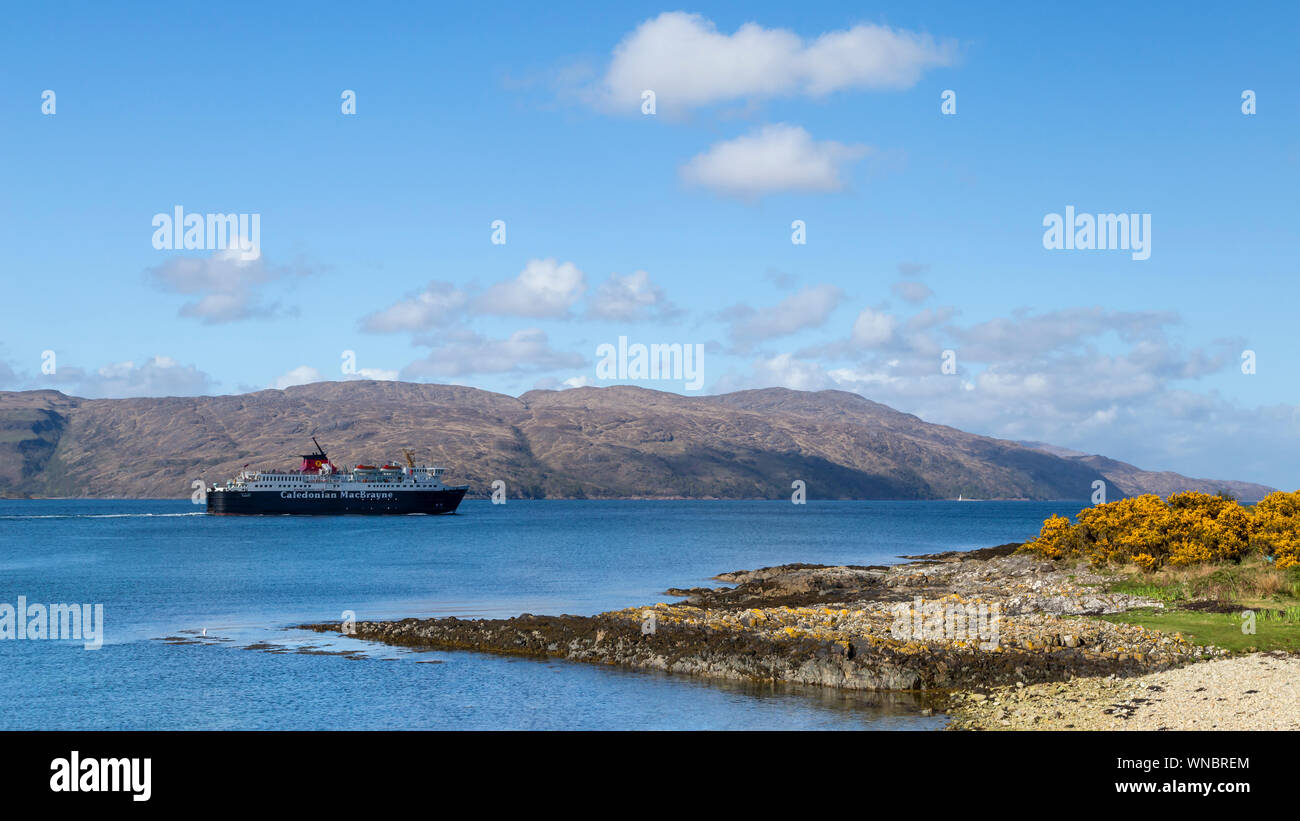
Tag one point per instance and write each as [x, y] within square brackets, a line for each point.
[318, 487]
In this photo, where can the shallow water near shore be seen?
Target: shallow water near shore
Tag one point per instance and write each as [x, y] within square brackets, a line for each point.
[185, 596]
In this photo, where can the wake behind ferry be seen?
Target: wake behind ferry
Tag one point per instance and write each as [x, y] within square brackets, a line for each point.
[318, 487]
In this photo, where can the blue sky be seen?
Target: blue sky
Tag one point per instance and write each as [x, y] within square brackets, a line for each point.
[924, 230]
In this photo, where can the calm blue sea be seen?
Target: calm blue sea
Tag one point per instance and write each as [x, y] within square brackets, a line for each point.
[162, 570]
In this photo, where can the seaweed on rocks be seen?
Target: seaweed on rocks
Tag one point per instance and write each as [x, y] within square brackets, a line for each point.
[838, 626]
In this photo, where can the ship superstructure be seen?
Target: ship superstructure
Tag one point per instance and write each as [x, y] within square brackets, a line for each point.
[320, 487]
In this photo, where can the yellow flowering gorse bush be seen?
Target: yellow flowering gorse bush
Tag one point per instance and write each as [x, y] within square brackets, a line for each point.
[1185, 529]
[1277, 527]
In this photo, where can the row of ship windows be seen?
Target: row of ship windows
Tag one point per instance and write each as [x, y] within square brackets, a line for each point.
[298, 486]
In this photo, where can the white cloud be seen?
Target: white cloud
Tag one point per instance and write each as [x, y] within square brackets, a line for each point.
[469, 353]
[157, 376]
[225, 284]
[550, 383]
[545, 288]
[856, 379]
[784, 370]
[1010, 338]
[1091, 379]
[688, 63]
[775, 158]
[629, 298]
[910, 291]
[306, 374]
[377, 374]
[808, 308]
[873, 328]
[301, 375]
[438, 303]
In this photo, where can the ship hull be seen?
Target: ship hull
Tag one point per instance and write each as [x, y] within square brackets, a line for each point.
[334, 502]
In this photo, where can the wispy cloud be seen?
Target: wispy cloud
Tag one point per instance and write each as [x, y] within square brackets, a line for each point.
[1098, 380]
[911, 291]
[807, 308]
[226, 285]
[464, 353]
[438, 303]
[157, 376]
[630, 298]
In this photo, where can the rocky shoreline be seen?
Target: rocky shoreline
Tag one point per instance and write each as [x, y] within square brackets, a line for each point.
[907, 627]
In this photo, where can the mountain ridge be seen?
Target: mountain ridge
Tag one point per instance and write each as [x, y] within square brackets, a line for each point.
[620, 441]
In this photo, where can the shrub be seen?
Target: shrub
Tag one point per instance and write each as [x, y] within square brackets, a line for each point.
[1276, 528]
[1055, 540]
[1185, 529]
